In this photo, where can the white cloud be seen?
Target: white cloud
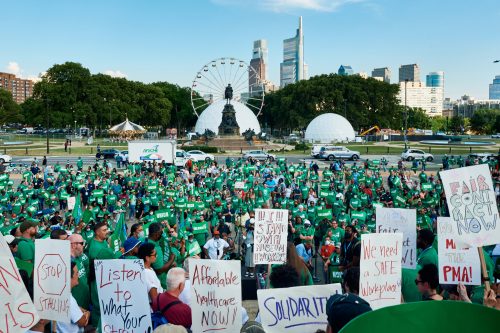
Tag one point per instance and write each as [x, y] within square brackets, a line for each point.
[287, 5]
[14, 68]
[115, 73]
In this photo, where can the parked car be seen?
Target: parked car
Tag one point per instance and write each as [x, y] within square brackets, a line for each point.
[107, 153]
[5, 158]
[416, 154]
[318, 148]
[181, 158]
[483, 157]
[123, 154]
[198, 156]
[259, 155]
[496, 136]
[339, 152]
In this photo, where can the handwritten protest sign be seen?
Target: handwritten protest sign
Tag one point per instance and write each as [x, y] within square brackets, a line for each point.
[239, 185]
[297, 309]
[456, 264]
[17, 311]
[215, 295]
[271, 229]
[472, 205]
[71, 203]
[123, 295]
[393, 220]
[52, 279]
[380, 269]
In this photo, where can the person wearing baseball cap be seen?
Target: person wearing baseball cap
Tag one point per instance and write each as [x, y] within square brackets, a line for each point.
[26, 247]
[215, 247]
[341, 309]
[131, 248]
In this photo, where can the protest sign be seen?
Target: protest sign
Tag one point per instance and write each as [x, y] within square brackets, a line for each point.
[239, 185]
[391, 220]
[271, 230]
[456, 264]
[215, 295]
[123, 295]
[17, 311]
[200, 228]
[52, 279]
[71, 203]
[472, 205]
[297, 309]
[380, 269]
[324, 214]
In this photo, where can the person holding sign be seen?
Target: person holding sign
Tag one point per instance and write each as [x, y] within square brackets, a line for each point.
[77, 317]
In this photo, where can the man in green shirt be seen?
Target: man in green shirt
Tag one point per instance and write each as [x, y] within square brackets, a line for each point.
[26, 247]
[427, 254]
[81, 292]
[165, 259]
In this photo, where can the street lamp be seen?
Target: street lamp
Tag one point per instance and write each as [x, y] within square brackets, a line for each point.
[75, 129]
[406, 119]
[47, 127]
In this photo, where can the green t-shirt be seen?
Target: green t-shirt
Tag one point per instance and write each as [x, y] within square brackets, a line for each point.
[81, 292]
[26, 249]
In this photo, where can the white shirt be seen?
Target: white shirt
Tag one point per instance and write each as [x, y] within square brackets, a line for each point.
[185, 296]
[152, 281]
[75, 313]
[213, 244]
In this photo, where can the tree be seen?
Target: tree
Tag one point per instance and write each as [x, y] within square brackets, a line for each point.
[417, 118]
[457, 124]
[439, 124]
[484, 121]
[10, 111]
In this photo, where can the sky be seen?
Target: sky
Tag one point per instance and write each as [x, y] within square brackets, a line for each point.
[171, 40]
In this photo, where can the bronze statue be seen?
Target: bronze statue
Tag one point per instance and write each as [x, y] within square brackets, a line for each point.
[228, 94]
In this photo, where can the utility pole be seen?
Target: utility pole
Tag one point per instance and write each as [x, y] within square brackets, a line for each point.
[47, 127]
[406, 119]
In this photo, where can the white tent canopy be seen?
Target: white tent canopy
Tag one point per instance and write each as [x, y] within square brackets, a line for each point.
[127, 126]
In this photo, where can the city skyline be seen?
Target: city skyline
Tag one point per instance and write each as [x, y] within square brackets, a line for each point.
[161, 41]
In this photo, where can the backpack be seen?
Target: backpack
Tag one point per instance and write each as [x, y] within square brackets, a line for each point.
[157, 317]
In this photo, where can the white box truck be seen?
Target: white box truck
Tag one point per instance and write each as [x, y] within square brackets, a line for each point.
[152, 150]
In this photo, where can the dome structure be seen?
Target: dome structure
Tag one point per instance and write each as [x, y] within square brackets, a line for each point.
[328, 128]
[211, 118]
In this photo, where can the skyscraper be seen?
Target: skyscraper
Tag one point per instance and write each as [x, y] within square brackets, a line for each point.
[495, 88]
[409, 72]
[345, 70]
[259, 64]
[20, 89]
[383, 73]
[292, 67]
[435, 79]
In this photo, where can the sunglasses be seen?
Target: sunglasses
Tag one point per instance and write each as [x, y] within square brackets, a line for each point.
[81, 243]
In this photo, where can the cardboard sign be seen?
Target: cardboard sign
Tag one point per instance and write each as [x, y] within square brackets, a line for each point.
[123, 295]
[215, 295]
[324, 214]
[297, 309]
[456, 264]
[472, 205]
[162, 214]
[380, 269]
[391, 220]
[239, 185]
[271, 230]
[71, 203]
[17, 311]
[52, 279]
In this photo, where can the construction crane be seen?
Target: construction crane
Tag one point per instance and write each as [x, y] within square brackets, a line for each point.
[370, 129]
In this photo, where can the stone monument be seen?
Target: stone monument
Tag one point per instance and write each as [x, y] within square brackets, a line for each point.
[228, 125]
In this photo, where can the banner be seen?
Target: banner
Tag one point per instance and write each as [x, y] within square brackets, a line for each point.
[17, 311]
[200, 228]
[123, 295]
[455, 264]
[380, 269]
[71, 203]
[391, 220]
[271, 231]
[239, 185]
[52, 279]
[472, 205]
[324, 214]
[297, 309]
[215, 295]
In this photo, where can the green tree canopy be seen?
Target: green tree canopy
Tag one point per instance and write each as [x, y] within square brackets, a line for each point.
[485, 121]
[10, 111]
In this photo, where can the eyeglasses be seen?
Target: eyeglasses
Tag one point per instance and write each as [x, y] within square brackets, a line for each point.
[418, 281]
[81, 243]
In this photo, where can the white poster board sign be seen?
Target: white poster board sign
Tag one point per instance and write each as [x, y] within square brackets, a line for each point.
[239, 185]
[380, 269]
[215, 295]
[52, 279]
[405, 221]
[456, 264]
[472, 205]
[17, 311]
[71, 203]
[123, 295]
[270, 236]
[297, 309]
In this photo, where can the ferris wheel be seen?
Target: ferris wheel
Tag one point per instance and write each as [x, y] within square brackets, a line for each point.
[212, 79]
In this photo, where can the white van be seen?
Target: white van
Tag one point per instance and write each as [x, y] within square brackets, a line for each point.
[316, 149]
